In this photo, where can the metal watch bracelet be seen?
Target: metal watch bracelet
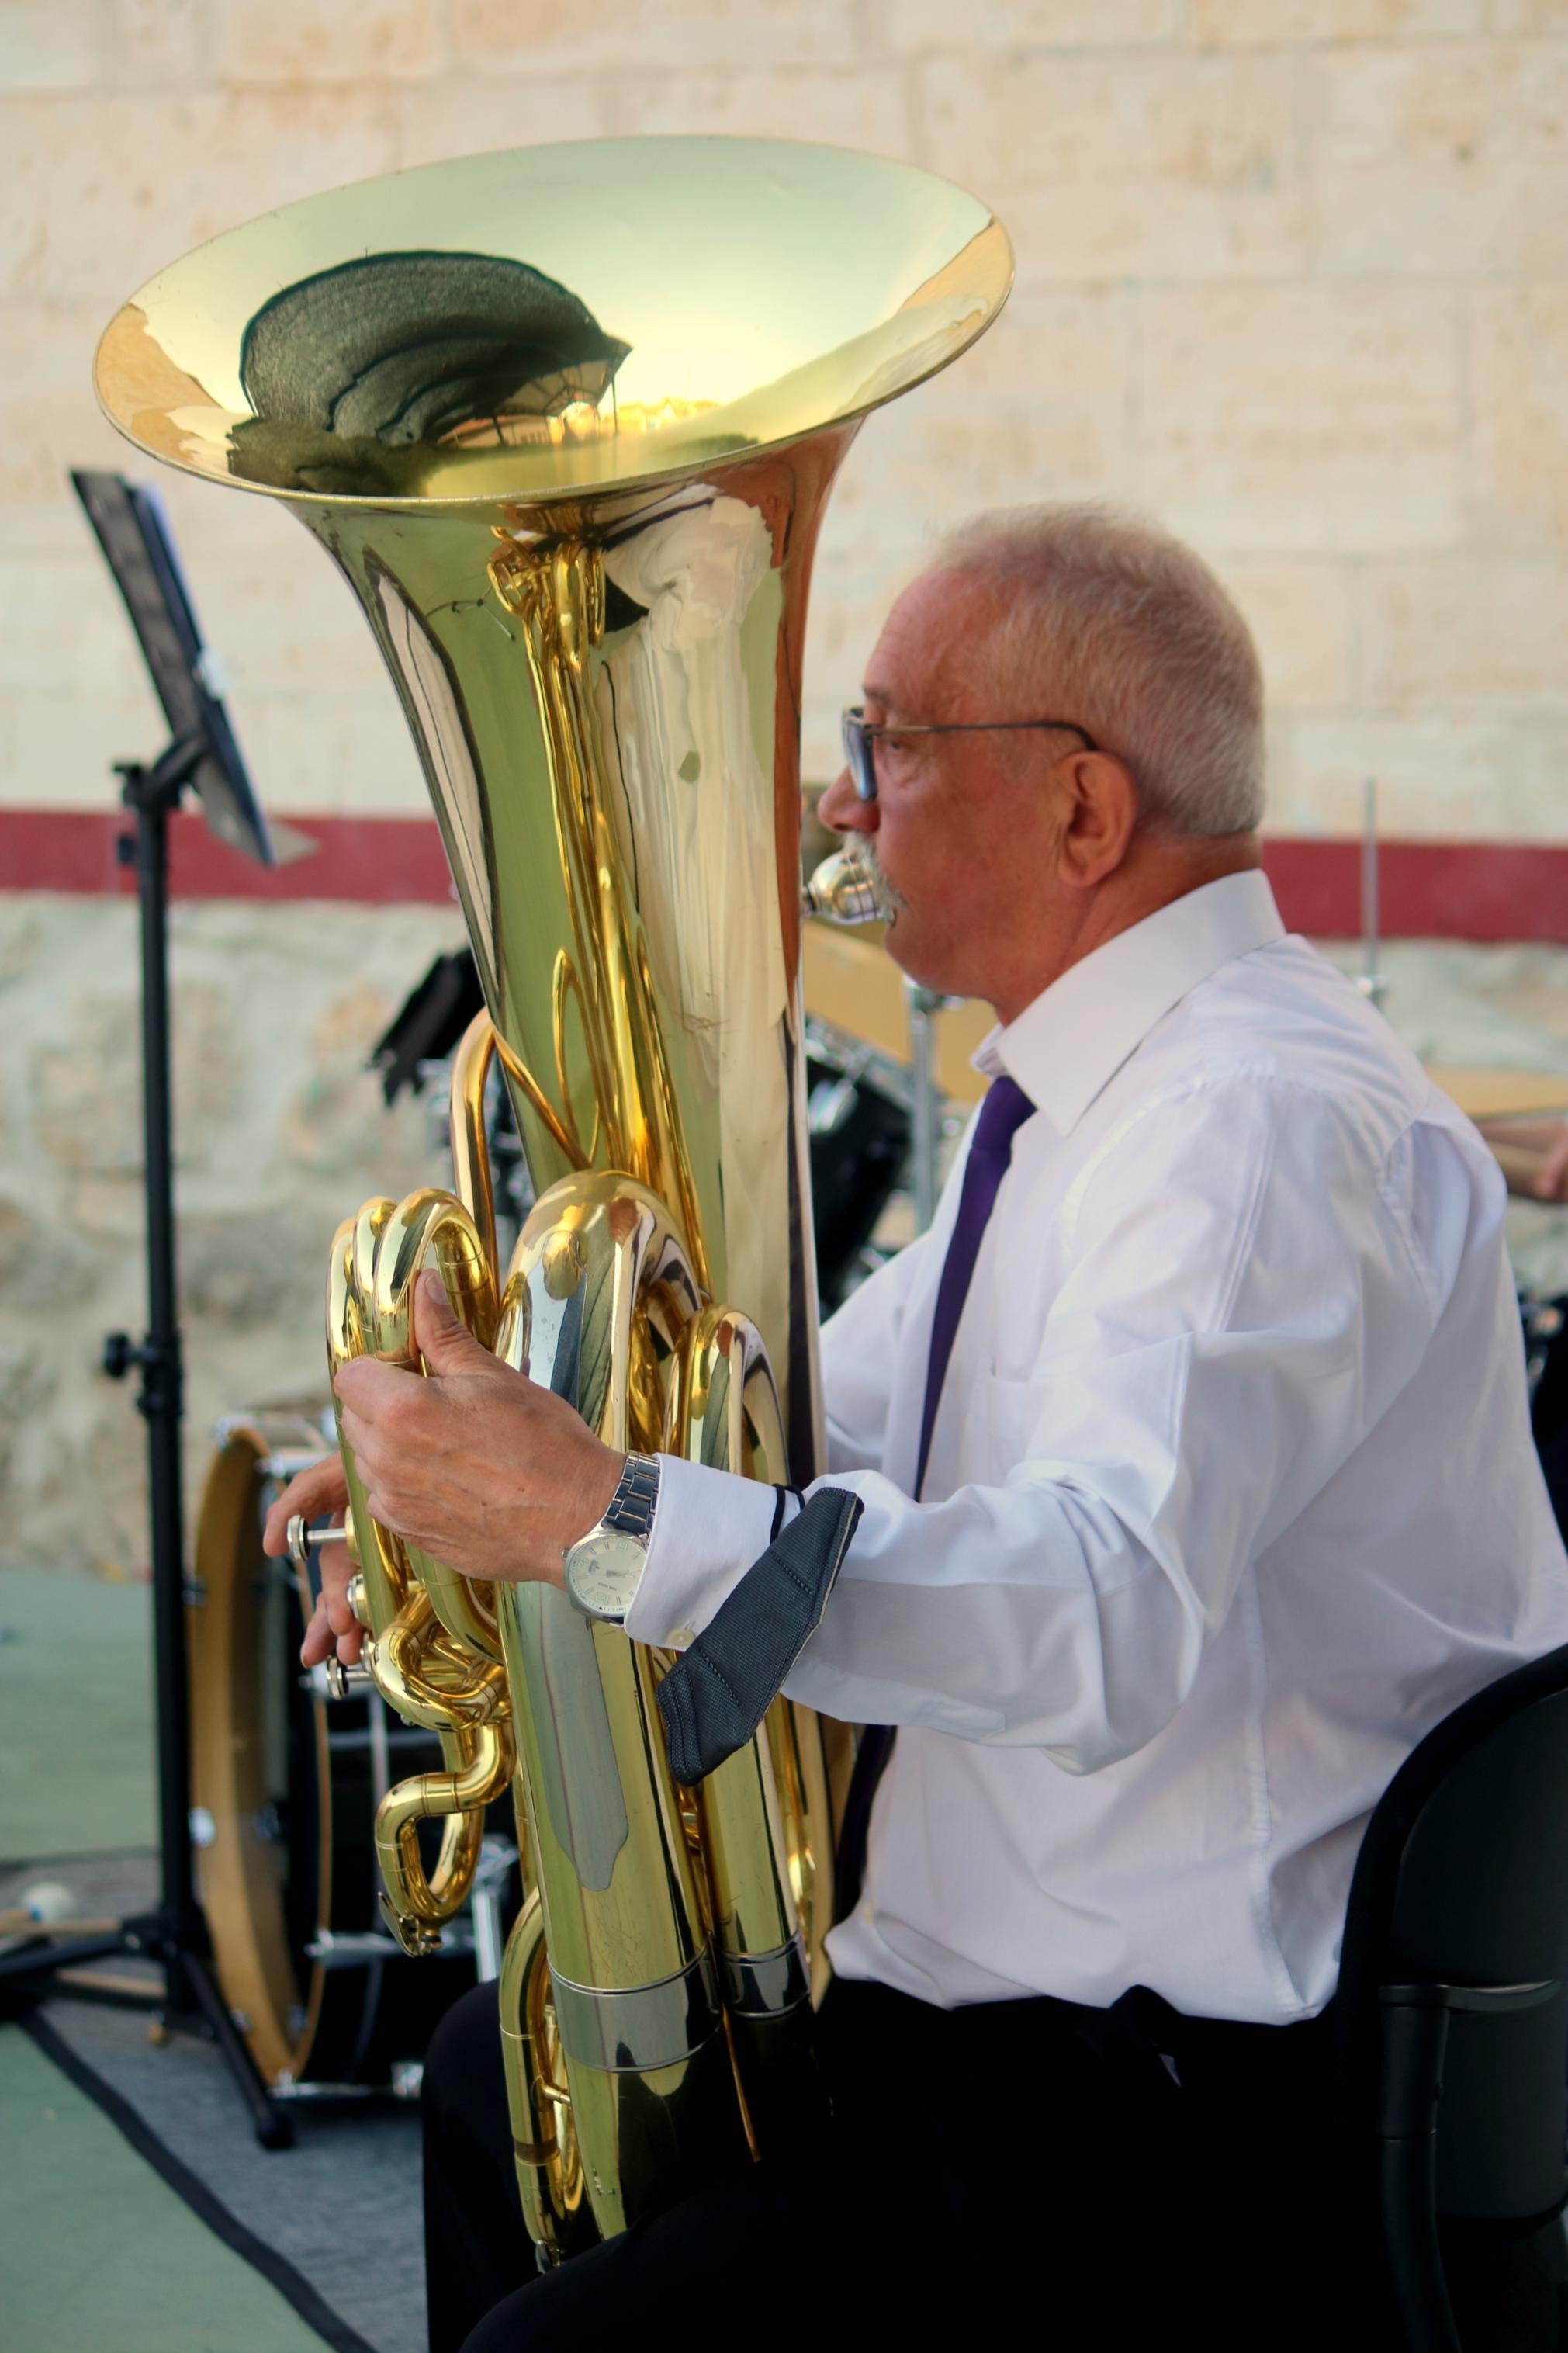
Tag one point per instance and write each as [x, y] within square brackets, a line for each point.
[630, 1509]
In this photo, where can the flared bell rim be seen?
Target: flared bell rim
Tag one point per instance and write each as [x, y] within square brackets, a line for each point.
[920, 272]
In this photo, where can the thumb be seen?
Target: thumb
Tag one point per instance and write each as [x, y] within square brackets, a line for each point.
[445, 1344]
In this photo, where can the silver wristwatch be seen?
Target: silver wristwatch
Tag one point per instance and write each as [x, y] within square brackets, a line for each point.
[604, 1567]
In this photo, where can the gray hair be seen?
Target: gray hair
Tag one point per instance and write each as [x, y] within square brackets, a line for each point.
[1123, 629]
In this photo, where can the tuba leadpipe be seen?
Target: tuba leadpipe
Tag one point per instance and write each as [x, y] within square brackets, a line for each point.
[566, 420]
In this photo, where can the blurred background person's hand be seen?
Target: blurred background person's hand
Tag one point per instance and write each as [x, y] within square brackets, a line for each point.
[1533, 1155]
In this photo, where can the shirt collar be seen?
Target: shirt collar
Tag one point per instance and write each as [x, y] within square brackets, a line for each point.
[1066, 1046]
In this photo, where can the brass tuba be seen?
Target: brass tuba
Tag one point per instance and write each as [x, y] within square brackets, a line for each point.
[566, 420]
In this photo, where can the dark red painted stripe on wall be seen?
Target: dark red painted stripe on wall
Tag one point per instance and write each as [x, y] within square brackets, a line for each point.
[377, 860]
[1427, 889]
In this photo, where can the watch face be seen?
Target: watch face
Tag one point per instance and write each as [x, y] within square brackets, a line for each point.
[604, 1570]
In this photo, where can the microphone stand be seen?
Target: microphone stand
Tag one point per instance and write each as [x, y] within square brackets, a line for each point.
[174, 1934]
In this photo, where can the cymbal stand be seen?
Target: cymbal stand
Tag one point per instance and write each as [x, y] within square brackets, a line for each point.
[1372, 983]
[923, 1004]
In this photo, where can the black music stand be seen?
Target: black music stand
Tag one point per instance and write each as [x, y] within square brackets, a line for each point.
[202, 754]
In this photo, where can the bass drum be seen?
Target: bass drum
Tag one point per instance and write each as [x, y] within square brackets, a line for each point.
[285, 1784]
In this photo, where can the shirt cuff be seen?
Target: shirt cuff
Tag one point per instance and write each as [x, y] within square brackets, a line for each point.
[709, 1527]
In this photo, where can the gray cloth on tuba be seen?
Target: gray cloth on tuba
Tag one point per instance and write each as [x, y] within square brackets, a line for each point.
[718, 1691]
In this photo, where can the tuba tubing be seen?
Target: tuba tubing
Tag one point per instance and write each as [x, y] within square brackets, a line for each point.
[612, 1844]
[413, 1903]
[435, 1668]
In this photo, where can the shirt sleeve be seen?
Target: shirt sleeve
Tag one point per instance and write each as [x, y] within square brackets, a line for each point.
[1245, 1296]
[860, 1349]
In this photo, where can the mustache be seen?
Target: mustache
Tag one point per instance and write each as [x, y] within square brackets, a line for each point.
[888, 899]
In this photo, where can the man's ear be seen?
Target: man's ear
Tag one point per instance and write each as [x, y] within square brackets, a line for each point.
[1102, 812]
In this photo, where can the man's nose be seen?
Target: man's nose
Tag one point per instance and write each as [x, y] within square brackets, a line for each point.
[841, 808]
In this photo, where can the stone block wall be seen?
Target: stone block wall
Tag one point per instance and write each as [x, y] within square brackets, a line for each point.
[280, 1132]
[1294, 274]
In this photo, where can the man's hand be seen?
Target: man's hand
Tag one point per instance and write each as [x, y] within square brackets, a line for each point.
[1551, 1183]
[491, 1474]
[320, 1493]
[1533, 1155]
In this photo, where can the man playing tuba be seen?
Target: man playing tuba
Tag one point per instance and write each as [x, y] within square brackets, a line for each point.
[1195, 1486]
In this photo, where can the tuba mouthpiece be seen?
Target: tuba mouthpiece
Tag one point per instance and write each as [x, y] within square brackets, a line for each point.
[841, 891]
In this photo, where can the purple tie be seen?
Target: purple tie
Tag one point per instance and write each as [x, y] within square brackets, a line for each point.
[1003, 1112]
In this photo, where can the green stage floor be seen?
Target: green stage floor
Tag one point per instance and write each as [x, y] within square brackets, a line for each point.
[76, 1716]
[97, 2251]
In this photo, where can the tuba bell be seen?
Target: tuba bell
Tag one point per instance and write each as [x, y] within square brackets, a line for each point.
[566, 420]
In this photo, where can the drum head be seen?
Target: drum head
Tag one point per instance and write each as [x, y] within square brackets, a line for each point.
[263, 1841]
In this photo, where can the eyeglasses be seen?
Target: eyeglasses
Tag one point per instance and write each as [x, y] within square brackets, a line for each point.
[861, 735]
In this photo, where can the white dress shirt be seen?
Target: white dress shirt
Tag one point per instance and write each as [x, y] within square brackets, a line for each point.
[1231, 1494]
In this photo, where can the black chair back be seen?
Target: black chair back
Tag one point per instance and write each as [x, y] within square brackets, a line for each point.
[1452, 2012]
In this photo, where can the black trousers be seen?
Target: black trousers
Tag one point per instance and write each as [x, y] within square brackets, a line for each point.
[1020, 2158]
